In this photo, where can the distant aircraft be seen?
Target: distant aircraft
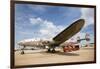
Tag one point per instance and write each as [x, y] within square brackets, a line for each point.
[57, 40]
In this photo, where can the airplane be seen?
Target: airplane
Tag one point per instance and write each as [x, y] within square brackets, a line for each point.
[66, 34]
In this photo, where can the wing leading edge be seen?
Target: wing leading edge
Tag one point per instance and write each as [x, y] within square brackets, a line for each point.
[69, 31]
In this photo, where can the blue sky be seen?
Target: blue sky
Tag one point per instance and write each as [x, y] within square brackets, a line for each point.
[42, 21]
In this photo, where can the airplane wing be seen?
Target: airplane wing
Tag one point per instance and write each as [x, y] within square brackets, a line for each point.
[69, 31]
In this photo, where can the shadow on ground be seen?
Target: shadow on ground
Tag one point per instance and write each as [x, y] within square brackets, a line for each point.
[56, 53]
[61, 53]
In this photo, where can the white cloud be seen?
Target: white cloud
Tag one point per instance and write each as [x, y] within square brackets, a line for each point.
[88, 15]
[35, 21]
[47, 28]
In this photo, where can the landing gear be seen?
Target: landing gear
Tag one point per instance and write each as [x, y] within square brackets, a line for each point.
[51, 50]
[22, 52]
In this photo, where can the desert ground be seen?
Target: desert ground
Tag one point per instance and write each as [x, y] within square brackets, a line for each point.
[34, 57]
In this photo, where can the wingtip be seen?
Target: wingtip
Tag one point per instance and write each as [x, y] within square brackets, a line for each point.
[82, 20]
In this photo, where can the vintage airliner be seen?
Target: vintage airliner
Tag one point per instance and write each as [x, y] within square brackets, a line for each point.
[66, 34]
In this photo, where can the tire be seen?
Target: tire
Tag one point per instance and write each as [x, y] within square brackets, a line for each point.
[22, 52]
[49, 50]
[53, 51]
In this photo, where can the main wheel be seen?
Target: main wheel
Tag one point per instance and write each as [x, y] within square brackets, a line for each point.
[49, 50]
[53, 51]
[22, 52]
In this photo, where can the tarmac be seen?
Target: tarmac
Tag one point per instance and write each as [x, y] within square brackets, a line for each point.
[35, 57]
